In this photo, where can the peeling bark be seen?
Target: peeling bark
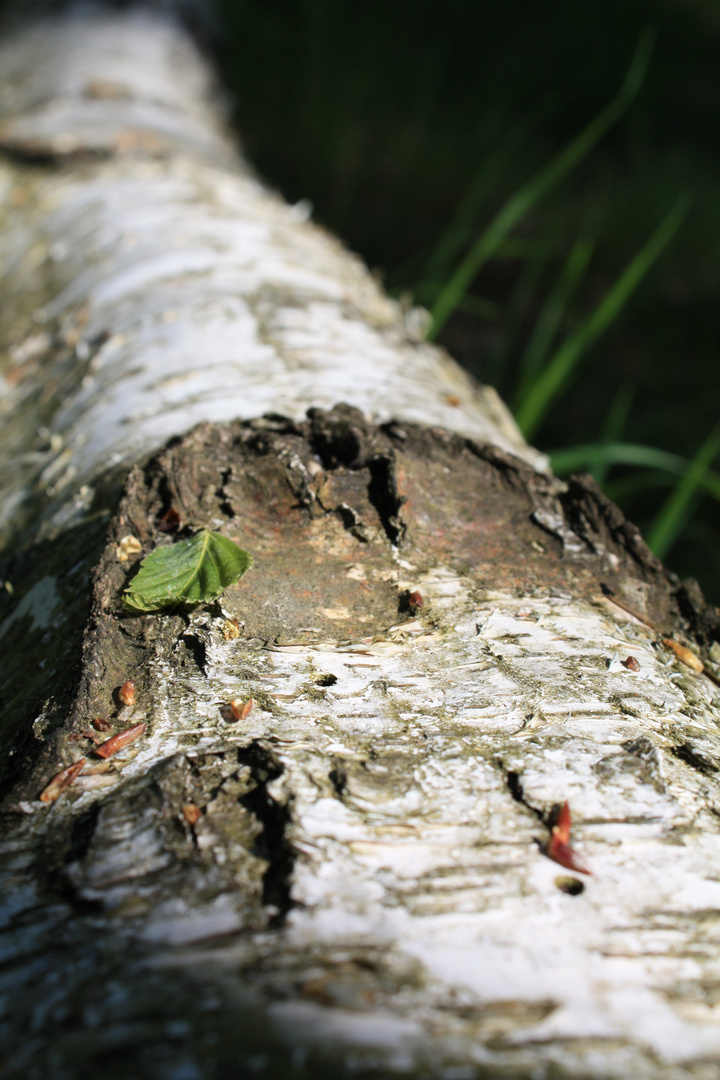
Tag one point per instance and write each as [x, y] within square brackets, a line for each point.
[442, 645]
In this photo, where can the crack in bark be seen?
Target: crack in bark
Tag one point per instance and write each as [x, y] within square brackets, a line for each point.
[703, 619]
[272, 844]
[695, 758]
[197, 649]
[343, 438]
[513, 781]
[383, 495]
[339, 780]
[515, 787]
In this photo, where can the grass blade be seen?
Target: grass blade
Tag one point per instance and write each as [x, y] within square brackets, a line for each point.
[632, 484]
[616, 453]
[670, 520]
[512, 320]
[551, 315]
[530, 194]
[455, 233]
[614, 424]
[547, 386]
[575, 458]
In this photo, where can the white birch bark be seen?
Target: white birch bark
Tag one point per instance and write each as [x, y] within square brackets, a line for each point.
[152, 283]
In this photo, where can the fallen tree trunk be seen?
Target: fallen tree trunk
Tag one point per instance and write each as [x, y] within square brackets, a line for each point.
[365, 871]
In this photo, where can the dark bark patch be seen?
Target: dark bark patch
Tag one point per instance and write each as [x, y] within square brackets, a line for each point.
[272, 844]
[41, 638]
[82, 832]
[703, 619]
[326, 680]
[136, 853]
[321, 505]
[514, 784]
[344, 437]
[570, 885]
[694, 756]
[338, 779]
[197, 649]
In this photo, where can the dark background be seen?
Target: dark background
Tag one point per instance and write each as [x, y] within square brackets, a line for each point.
[382, 114]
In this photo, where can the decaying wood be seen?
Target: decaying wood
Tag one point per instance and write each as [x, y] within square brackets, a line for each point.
[443, 646]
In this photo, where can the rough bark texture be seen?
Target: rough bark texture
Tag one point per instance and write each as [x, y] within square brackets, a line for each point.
[442, 644]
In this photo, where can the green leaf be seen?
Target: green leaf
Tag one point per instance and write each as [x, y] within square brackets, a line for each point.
[554, 376]
[573, 458]
[551, 316]
[188, 572]
[674, 514]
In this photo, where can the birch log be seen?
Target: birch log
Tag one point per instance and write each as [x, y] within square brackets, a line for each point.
[442, 645]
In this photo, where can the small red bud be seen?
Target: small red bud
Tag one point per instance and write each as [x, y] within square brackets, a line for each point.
[170, 521]
[61, 780]
[558, 846]
[191, 813]
[126, 693]
[119, 741]
[241, 709]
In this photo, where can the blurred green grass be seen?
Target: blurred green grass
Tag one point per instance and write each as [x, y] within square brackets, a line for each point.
[411, 126]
